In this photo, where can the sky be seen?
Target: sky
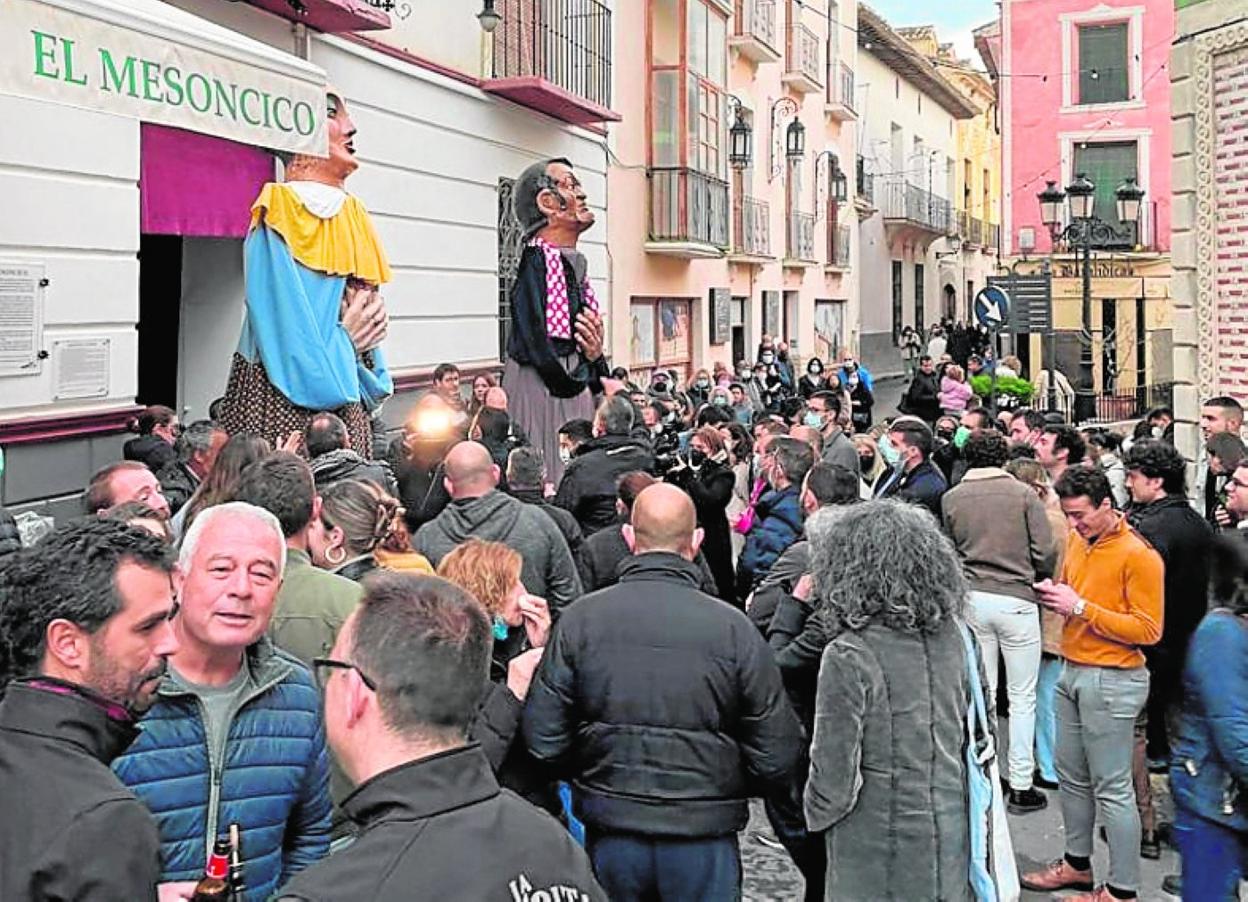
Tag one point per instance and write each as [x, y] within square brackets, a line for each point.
[954, 19]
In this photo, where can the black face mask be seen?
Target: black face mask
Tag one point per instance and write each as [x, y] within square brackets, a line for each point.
[946, 434]
[866, 462]
[697, 457]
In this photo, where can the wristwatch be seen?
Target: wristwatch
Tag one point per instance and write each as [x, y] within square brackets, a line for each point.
[1079, 607]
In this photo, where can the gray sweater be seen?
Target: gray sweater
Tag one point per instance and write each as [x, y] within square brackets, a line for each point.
[548, 569]
[1001, 532]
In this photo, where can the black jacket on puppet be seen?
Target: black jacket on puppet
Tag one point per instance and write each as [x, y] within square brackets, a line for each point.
[441, 828]
[589, 486]
[662, 705]
[529, 345]
[603, 552]
[70, 829]
[711, 486]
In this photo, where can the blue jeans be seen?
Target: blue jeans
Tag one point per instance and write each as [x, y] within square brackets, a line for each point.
[634, 868]
[1213, 856]
[1046, 716]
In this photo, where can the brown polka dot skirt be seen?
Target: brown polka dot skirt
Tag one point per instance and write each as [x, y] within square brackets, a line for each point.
[253, 404]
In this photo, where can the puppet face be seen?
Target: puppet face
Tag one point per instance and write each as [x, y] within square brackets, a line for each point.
[341, 162]
[565, 204]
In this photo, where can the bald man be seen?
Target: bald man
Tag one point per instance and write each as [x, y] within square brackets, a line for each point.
[478, 509]
[665, 710]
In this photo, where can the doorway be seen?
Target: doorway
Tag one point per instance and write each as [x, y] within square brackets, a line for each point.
[160, 318]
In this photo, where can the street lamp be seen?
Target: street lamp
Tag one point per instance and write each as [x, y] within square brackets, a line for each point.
[1084, 231]
[740, 138]
[489, 17]
[794, 136]
[795, 141]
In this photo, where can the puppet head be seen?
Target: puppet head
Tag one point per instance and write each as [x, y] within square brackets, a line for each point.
[341, 162]
[550, 202]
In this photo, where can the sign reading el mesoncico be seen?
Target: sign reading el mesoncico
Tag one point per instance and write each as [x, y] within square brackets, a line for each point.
[64, 53]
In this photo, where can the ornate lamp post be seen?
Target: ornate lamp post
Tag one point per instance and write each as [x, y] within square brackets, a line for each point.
[1084, 231]
[740, 137]
[794, 136]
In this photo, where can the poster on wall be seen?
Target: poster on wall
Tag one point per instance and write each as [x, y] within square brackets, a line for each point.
[80, 368]
[771, 313]
[721, 315]
[21, 318]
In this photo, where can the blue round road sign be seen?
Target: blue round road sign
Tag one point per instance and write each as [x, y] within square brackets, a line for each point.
[992, 307]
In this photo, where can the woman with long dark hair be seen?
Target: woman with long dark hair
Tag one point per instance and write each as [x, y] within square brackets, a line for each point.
[219, 485]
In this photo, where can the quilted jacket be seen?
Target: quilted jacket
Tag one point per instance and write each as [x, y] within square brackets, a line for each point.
[273, 779]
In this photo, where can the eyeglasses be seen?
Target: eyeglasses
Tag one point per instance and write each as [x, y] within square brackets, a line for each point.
[1238, 483]
[320, 665]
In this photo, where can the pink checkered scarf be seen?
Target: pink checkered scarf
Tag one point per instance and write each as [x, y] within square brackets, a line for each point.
[558, 314]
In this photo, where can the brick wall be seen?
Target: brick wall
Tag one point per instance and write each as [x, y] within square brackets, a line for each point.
[1230, 94]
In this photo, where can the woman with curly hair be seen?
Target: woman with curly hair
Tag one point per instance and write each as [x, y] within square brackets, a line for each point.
[887, 778]
[357, 519]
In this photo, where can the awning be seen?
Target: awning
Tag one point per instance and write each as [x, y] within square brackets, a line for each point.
[157, 63]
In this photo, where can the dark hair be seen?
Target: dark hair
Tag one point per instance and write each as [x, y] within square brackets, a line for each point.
[926, 358]
[985, 417]
[1143, 429]
[830, 400]
[1156, 459]
[493, 424]
[986, 449]
[195, 439]
[710, 415]
[68, 575]
[442, 369]
[1022, 451]
[282, 484]
[99, 494]
[324, 433]
[580, 431]
[1227, 403]
[151, 417]
[425, 643]
[1068, 438]
[793, 457]
[1227, 448]
[1078, 482]
[915, 433]
[1161, 411]
[1103, 438]
[630, 485]
[525, 468]
[743, 439]
[832, 484]
[1033, 418]
[616, 415]
[1228, 574]
[237, 454]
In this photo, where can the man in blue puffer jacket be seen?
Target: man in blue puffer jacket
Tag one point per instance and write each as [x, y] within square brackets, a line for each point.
[236, 734]
[778, 513]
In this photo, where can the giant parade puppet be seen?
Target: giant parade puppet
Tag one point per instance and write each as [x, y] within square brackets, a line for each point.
[555, 362]
[315, 318]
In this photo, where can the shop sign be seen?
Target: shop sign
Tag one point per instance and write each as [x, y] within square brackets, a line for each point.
[49, 53]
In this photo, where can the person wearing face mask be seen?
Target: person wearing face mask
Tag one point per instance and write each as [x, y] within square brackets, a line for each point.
[814, 379]
[699, 389]
[851, 367]
[861, 401]
[823, 413]
[705, 475]
[785, 364]
[907, 448]
[747, 380]
[777, 514]
[949, 457]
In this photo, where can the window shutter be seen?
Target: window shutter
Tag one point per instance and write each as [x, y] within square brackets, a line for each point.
[1104, 74]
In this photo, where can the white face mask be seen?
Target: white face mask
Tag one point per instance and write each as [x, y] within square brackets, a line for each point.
[565, 454]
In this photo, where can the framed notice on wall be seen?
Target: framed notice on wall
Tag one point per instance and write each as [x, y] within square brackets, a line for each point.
[721, 315]
[771, 313]
[21, 318]
[80, 368]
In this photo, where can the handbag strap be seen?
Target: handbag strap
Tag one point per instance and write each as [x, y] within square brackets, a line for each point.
[977, 715]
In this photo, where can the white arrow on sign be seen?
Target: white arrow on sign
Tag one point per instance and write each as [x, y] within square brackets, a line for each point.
[992, 310]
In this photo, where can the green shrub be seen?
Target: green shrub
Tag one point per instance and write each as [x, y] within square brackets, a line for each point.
[1019, 389]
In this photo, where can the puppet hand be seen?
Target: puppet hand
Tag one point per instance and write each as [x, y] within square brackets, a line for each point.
[589, 334]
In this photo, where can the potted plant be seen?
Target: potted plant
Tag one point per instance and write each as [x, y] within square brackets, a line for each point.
[1012, 391]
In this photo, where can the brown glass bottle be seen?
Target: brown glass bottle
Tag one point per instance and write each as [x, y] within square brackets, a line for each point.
[215, 884]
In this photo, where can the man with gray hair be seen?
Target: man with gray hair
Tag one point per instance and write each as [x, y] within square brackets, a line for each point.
[235, 735]
[589, 483]
[196, 450]
[479, 510]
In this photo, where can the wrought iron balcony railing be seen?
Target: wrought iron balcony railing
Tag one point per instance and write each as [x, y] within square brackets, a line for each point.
[688, 206]
[902, 201]
[564, 42]
[800, 240]
[838, 245]
[866, 182]
[754, 30]
[751, 227]
[802, 60]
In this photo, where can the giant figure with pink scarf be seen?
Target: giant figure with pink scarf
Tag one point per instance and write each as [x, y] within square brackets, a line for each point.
[555, 363]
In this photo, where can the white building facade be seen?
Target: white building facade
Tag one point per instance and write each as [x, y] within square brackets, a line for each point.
[122, 250]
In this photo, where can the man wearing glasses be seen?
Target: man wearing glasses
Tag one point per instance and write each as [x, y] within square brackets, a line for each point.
[401, 689]
[235, 735]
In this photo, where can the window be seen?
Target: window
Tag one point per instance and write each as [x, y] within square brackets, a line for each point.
[897, 302]
[920, 307]
[688, 104]
[660, 335]
[1104, 72]
[1108, 165]
[829, 329]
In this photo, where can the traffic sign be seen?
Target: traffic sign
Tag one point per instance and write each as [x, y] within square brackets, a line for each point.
[1031, 302]
[992, 307]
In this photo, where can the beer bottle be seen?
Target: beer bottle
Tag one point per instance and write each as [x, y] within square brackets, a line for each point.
[215, 885]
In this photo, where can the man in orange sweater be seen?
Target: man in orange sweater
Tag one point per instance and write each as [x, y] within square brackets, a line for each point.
[1111, 595]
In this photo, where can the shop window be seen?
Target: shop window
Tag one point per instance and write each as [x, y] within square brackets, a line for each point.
[1104, 70]
[661, 336]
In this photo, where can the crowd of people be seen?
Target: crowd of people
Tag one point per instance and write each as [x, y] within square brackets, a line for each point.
[461, 665]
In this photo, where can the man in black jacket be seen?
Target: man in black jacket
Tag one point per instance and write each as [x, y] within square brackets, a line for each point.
[84, 616]
[665, 710]
[922, 398]
[328, 444]
[1161, 513]
[401, 688]
[588, 486]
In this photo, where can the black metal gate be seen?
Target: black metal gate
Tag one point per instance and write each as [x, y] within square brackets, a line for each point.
[510, 246]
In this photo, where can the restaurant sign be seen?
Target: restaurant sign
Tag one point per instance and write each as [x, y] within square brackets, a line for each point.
[48, 52]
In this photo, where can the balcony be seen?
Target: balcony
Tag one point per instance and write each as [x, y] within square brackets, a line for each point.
[329, 16]
[799, 247]
[554, 56]
[838, 247]
[688, 214]
[802, 67]
[751, 231]
[915, 212]
[992, 237]
[754, 35]
[840, 103]
[864, 200]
